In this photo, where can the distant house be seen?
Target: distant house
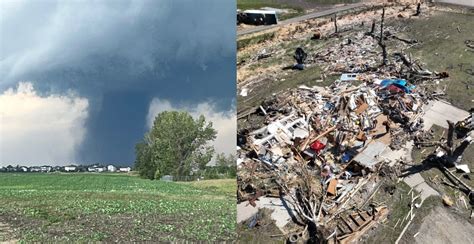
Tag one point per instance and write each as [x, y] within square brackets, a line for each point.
[23, 169]
[70, 168]
[35, 169]
[96, 168]
[125, 169]
[111, 168]
[81, 168]
[46, 168]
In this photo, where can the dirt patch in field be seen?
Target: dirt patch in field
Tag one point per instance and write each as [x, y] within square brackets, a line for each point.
[6, 234]
[107, 228]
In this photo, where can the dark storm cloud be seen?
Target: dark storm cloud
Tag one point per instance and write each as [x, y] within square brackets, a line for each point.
[120, 55]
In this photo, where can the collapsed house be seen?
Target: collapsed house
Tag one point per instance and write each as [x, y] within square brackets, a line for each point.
[330, 139]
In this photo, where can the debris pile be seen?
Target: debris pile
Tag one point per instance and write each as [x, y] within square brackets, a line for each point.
[321, 146]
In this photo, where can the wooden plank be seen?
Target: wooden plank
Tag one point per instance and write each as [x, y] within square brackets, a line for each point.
[343, 230]
[348, 223]
[357, 219]
[343, 225]
[332, 187]
[361, 108]
[365, 216]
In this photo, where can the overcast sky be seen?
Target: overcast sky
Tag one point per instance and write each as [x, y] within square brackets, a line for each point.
[81, 81]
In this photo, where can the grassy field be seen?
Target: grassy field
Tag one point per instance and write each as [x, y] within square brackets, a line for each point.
[443, 48]
[99, 207]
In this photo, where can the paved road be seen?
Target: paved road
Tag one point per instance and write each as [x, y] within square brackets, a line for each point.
[300, 18]
[468, 3]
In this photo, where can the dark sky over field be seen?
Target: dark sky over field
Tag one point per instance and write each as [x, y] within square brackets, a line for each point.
[81, 81]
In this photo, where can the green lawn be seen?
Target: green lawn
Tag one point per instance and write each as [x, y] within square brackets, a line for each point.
[442, 37]
[105, 207]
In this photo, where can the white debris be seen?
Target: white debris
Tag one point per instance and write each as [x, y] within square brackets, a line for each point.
[463, 167]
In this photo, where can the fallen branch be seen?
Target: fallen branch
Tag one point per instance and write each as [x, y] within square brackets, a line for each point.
[407, 41]
[456, 178]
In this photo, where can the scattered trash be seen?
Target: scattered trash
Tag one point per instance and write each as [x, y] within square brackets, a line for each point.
[316, 36]
[300, 57]
[348, 77]
[244, 92]
[463, 167]
[447, 201]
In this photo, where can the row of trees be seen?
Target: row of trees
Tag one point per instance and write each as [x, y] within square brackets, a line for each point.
[225, 167]
[179, 145]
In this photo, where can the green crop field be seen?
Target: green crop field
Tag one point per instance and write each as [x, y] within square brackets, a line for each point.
[112, 207]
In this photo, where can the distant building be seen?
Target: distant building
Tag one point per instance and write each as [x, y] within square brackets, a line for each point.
[70, 168]
[35, 169]
[126, 169]
[46, 168]
[96, 168]
[111, 168]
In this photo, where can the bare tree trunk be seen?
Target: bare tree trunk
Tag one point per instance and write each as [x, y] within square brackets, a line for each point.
[384, 53]
[335, 23]
[418, 10]
[381, 25]
[381, 43]
[373, 27]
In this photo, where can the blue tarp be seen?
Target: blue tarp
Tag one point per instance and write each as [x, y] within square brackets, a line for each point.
[400, 83]
[346, 157]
